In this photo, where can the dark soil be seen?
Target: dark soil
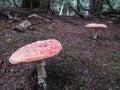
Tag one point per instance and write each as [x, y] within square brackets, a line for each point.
[83, 63]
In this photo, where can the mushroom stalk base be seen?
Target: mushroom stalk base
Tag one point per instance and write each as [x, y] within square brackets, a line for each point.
[95, 34]
[41, 73]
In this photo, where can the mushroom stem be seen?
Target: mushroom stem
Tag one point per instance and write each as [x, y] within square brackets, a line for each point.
[95, 34]
[41, 73]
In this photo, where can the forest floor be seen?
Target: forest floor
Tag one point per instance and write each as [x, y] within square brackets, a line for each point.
[83, 63]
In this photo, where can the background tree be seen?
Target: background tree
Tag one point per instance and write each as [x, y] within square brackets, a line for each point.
[81, 7]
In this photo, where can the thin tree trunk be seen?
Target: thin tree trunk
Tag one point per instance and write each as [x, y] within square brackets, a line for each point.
[99, 4]
[4, 3]
[78, 5]
[96, 6]
[61, 10]
[14, 2]
[92, 6]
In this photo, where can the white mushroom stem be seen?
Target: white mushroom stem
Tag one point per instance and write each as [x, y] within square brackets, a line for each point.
[95, 34]
[41, 73]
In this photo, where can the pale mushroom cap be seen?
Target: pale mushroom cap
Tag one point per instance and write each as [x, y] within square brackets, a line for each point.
[96, 25]
[36, 51]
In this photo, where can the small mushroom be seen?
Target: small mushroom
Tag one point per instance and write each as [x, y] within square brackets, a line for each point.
[36, 52]
[95, 27]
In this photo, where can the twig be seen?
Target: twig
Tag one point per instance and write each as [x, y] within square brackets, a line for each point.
[5, 66]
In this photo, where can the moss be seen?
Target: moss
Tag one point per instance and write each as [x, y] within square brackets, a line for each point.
[116, 66]
[65, 87]
[50, 28]
[18, 87]
[14, 39]
[2, 50]
[2, 26]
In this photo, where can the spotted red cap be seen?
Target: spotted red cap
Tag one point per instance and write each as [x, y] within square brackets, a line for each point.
[36, 51]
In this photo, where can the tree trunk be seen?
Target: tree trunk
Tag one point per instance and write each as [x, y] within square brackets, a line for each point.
[78, 5]
[92, 6]
[30, 3]
[96, 6]
[14, 3]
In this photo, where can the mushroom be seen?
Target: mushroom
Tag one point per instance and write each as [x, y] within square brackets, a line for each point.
[36, 52]
[96, 27]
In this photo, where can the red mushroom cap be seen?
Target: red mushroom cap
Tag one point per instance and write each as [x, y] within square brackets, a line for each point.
[36, 51]
[96, 25]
